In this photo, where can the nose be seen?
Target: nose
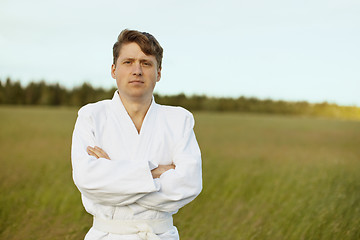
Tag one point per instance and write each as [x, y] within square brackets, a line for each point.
[137, 70]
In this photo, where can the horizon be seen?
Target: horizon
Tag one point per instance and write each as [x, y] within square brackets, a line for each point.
[170, 95]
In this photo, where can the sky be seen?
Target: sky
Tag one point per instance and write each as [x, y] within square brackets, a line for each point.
[281, 49]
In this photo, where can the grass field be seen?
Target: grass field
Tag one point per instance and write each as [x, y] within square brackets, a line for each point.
[265, 177]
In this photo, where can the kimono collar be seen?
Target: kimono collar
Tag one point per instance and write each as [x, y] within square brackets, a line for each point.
[120, 111]
[117, 101]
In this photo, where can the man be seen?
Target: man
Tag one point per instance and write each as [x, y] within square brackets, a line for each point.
[136, 163]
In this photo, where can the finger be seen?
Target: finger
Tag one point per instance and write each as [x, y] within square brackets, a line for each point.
[96, 151]
[100, 152]
[91, 152]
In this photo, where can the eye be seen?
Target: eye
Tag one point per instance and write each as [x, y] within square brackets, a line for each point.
[146, 63]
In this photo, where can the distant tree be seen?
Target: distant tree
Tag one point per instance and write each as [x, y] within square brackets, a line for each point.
[13, 92]
[57, 95]
[41, 93]
[1, 92]
[196, 102]
[45, 94]
[33, 93]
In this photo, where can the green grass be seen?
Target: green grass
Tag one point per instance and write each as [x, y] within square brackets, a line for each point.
[265, 177]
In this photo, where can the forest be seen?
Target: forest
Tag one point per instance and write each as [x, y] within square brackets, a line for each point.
[53, 94]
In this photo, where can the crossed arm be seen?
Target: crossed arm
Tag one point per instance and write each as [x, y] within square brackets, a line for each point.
[98, 178]
[100, 153]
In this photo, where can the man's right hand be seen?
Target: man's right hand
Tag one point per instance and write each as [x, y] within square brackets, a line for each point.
[97, 152]
[156, 172]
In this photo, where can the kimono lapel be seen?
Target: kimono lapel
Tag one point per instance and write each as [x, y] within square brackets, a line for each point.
[137, 144]
[125, 129]
[147, 133]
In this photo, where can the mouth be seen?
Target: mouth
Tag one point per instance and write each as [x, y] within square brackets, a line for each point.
[136, 82]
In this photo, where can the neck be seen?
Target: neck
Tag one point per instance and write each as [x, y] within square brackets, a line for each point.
[136, 109]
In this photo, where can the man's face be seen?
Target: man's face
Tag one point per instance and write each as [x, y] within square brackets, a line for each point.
[135, 72]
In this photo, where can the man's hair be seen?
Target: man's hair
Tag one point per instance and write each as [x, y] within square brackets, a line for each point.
[147, 42]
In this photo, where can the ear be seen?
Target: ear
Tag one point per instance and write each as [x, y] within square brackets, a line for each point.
[158, 74]
[113, 68]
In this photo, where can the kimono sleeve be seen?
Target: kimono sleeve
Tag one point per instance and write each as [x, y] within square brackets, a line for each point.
[104, 181]
[183, 184]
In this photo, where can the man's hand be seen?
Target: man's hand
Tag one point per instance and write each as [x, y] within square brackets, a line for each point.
[156, 172]
[97, 152]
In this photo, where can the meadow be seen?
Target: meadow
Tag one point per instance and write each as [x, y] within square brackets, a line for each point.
[266, 177]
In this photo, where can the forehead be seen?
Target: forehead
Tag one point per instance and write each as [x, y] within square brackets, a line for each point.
[133, 50]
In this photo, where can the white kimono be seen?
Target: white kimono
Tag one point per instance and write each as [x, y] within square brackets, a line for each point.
[123, 188]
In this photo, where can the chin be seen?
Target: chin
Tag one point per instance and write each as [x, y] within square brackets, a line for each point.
[141, 95]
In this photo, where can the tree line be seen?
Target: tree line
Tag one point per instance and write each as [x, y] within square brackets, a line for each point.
[42, 93]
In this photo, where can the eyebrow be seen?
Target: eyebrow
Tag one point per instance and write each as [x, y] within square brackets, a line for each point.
[141, 59]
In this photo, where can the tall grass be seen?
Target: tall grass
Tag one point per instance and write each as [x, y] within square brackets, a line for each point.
[265, 177]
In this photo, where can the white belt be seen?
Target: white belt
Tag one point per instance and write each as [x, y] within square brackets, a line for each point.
[146, 229]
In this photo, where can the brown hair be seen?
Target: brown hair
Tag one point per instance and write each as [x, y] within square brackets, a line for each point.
[147, 42]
